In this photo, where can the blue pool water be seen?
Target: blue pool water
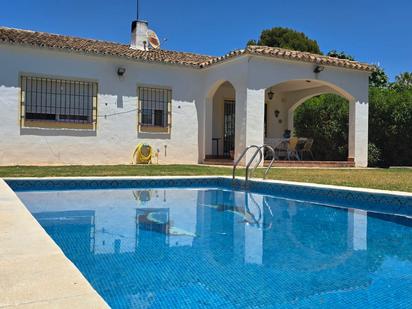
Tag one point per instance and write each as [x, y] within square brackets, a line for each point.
[219, 248]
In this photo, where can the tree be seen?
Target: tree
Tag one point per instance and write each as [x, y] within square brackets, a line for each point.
[390, 124]
[378, 78]
[288, 39]
[403, 81]
[340, 54]
[325, 119]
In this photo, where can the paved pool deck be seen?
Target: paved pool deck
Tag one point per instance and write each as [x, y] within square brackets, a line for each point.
[34, 272]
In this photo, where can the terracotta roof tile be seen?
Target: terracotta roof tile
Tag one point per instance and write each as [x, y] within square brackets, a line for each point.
[88, 46]
[96, 47]
[281, 53]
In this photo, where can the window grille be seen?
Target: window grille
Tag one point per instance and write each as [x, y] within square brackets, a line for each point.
[58, 100]
[154, 108]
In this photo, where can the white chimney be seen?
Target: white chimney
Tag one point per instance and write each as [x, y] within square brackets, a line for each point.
[139, 39]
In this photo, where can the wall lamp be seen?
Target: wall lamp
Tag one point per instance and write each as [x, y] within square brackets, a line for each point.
[318, 69]
[121, 71]
[277, 113]
[271, 94]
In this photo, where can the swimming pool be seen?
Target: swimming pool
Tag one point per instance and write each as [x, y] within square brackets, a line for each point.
[202, 243]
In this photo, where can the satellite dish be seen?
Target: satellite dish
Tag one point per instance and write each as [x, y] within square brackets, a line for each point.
[153, 39]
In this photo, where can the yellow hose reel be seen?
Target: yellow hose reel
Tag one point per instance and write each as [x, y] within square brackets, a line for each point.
[142, 154]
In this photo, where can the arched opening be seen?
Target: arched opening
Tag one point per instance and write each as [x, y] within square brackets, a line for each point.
[332, 112]
[285, 104]
[220, 123]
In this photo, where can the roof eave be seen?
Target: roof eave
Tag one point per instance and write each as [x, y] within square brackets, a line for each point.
[87, 53]
[305, 58]
[369, 70]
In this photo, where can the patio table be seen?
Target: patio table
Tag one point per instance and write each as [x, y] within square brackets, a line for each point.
[280, 145]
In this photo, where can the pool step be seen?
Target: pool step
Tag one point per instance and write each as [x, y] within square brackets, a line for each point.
[315, 164]
[319, 164]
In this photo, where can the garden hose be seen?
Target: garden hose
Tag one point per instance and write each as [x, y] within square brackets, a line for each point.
[142, 154]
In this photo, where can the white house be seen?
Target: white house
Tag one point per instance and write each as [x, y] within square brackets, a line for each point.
[67, 100]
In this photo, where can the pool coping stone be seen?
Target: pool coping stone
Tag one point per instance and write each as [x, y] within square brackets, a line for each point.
[34, 272]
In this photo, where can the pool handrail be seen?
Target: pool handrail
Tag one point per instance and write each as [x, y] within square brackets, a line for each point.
[259, 150]
[236, 163]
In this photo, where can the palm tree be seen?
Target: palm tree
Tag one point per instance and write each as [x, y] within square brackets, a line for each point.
[404, 80]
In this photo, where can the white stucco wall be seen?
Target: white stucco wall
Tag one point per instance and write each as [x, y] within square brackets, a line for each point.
[193, 91]
[276, 126]
[235, 72]
[116, 135]
[252, 76]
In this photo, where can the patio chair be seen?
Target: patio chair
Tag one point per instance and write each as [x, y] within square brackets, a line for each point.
[278, 146]
[307, 148]
[292, 148]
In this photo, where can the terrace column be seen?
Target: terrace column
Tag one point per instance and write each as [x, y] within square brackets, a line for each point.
[358, 130]
[208, 128]
[250, 109]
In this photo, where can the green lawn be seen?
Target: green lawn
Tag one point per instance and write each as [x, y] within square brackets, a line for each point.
[389, 179]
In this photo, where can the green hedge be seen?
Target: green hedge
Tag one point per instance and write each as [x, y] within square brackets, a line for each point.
[326, 117]
[390, 124]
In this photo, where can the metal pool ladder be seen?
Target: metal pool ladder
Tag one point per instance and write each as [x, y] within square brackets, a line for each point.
[259, 151]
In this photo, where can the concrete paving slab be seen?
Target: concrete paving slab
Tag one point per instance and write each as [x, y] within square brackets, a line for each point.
[34, 272]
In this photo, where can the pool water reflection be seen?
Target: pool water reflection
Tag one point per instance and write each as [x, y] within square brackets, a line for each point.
[181, 248]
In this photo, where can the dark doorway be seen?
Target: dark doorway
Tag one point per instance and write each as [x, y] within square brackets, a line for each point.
[229, 128]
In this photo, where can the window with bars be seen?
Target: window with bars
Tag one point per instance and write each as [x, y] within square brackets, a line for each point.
[59, 101]
[154, 110]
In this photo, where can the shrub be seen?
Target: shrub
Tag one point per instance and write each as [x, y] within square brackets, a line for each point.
[374, 155]
[325, 119]
[390, 124]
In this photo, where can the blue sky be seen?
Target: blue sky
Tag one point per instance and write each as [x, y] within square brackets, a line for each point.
[371, 30]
